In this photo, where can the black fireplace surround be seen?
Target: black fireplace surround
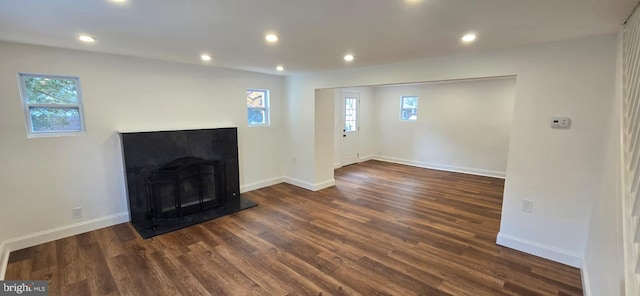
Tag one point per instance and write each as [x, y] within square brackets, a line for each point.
[180, 178]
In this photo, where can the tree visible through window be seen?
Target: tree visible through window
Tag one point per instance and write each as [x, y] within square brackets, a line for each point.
[258, 106]
[409, 108]
[52, 104]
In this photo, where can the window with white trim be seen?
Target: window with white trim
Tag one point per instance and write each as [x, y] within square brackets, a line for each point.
[52, 104]
[409, 108]
[257, 107]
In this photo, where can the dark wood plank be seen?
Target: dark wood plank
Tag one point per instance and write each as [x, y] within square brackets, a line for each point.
[384, 229]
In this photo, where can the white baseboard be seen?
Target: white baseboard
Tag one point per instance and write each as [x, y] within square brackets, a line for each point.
[365, 158]
[586, 288]
[48, 235]
[4, 260]
[442, 167]
[261, 184]
[540, 250]
[289, 180]
[310, 186]
[299, 183]
[338, 165]
[325, 184]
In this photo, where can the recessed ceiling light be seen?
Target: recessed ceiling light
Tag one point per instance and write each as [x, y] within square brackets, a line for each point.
[469, 38]
[205, 57]
[280, 68]
[271, 38]
[86, 38]
[118, 1]
[348, 58]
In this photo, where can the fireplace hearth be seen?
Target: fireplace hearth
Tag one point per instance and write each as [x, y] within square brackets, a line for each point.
[180, 178]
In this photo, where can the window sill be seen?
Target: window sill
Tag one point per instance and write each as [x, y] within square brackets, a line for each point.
[55, 134]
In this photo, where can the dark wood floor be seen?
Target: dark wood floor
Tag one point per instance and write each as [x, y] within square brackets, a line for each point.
[384, 229]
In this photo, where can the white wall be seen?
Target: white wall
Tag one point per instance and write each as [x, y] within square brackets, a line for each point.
[603, 259]
[325, 106]
[368, 132]
[461, 126]
[43, 178]
[337, 125]
[559, 170]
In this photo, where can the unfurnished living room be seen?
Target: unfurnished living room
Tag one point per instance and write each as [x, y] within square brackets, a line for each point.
[336, 147]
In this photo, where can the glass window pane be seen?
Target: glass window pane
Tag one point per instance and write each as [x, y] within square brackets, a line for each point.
[409, 114]
[350, 103]
[256, 116]
[409, 102]
[255, 98]
[43, 90]
[52, 119]
[350, 112]
[350, 126]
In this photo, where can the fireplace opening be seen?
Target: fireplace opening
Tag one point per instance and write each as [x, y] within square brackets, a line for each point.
[185, 186]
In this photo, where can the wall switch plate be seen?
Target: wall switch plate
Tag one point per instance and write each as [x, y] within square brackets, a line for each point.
[76, 213]
[527, 206]
[560, 122]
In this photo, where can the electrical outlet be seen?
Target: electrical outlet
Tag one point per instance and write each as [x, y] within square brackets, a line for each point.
[76, 213]
[527, 206]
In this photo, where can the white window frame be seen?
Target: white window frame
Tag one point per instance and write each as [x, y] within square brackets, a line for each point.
[402, 109]
[266, 108]
[23, 97]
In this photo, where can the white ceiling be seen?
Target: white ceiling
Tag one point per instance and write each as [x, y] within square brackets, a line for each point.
[314, 34]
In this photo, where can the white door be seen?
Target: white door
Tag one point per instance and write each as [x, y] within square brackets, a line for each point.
[349, 142]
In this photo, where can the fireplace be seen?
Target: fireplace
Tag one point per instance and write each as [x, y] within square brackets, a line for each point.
[179, 178]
